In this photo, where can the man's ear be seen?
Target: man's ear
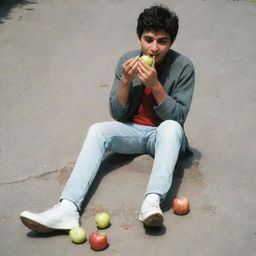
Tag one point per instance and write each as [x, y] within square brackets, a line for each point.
[139, 38]
[172, 41]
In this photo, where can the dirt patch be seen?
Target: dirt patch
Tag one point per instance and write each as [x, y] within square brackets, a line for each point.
[209, 208]
[64, 173]
[193, 174]
[127, 218]
[104, 85]
[96, 210]
[7, 219]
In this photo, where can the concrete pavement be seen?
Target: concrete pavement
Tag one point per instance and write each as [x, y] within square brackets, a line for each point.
[56, 69]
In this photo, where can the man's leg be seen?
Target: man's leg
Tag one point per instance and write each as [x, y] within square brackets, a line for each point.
[168, 140]
[165, 145]
[101, 137]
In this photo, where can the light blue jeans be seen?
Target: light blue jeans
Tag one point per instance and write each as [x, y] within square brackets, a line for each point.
[162, 142]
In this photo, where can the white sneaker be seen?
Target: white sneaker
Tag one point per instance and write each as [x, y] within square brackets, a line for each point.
[55, 218]
[151, 214]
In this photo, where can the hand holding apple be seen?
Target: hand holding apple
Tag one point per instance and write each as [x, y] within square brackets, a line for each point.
[147, 74]
[130, 69]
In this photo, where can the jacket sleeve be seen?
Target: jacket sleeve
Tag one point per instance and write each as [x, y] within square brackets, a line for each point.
[176, 105]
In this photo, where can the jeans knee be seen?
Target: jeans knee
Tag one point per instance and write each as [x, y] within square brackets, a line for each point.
[95, 126]
[102, 130]
[96, 129]
[170, 127]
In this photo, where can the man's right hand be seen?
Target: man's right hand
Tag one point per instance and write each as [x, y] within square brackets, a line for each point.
[130, 69]
[129, 73]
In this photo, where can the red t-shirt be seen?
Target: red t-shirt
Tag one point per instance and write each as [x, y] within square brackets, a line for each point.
[146, 114]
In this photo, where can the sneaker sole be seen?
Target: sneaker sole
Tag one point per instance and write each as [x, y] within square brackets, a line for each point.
[154, 220]
[35, 226]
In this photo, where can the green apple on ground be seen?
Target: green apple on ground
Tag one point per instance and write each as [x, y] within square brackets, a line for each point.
[102, 220]
[148, 59]
[77, 235]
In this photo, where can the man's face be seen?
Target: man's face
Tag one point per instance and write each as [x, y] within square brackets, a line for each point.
[155, 43]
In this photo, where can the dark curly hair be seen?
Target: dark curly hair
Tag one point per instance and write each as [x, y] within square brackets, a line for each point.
[158, 18]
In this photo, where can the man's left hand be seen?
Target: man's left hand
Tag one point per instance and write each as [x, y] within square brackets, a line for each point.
[147, 74]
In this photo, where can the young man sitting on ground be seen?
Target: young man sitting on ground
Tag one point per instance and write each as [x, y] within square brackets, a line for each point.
[150, 105]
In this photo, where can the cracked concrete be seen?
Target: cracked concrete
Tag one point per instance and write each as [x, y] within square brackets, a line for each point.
[55, 74]
[61, 175]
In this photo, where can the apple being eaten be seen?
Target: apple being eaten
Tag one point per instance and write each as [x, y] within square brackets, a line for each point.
[98, 240]
[148, 59]
[77, 235]
[102, 220]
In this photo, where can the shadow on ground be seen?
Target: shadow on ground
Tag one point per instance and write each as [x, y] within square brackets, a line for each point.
[6, 7]
[110, 163]
[32, 234]
[115, 161]
[155, 231]
[184, 164]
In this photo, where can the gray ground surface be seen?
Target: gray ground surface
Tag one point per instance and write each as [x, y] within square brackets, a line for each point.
[56, 68]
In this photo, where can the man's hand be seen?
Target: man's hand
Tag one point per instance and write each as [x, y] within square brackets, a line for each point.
[147, 74]
[129, 73]
[130, 69]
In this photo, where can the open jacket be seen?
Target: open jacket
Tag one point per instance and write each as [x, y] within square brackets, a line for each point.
[177, 78]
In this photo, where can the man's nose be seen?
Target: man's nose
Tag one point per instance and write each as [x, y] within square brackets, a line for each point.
[154, 46]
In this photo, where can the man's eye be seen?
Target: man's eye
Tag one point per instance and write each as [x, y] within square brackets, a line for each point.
[164, 41]
[148, 39]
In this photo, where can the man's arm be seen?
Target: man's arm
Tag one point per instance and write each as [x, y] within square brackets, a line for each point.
[119, 105]
[176, 105]
[173, 101]
[129, 73]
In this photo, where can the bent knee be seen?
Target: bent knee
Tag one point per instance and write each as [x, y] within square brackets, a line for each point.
[103, 128]
[170, 124]
[97, 128]
[171, 127]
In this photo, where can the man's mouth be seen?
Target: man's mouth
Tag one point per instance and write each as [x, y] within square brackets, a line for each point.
[156, 57]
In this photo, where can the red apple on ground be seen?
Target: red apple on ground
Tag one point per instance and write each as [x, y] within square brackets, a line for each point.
[102, 220]
[180, 205]
[77, 235]
[148, 59]
[98, 240]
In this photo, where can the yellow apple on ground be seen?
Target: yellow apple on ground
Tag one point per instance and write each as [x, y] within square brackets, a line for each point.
[77, 235]
[102, 220]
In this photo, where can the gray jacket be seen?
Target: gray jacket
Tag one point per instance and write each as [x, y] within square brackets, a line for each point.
[177, 78]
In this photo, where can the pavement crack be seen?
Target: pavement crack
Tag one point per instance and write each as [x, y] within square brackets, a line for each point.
[29, 178]
[61, 174]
